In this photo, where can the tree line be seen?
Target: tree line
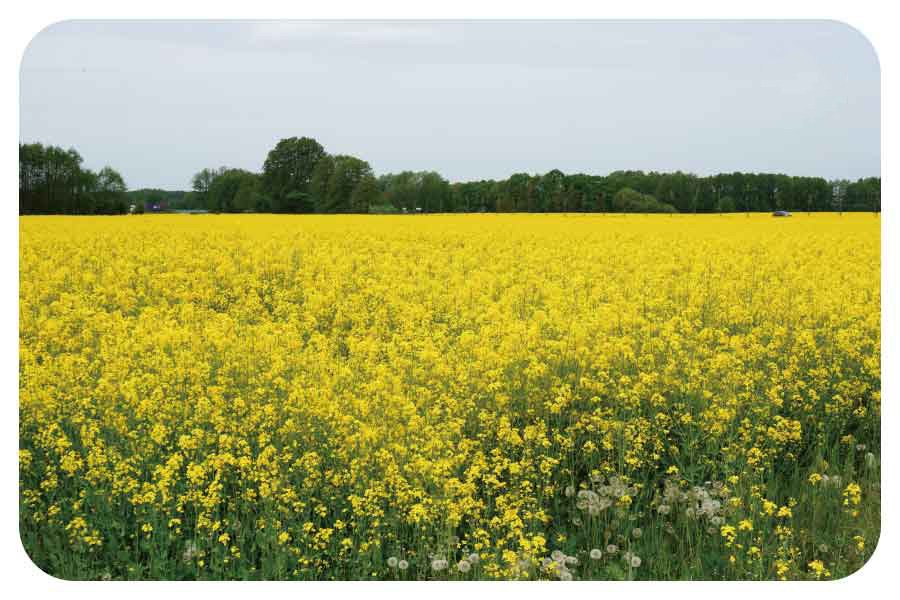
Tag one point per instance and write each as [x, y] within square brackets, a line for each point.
[299, 176]
[53, 181]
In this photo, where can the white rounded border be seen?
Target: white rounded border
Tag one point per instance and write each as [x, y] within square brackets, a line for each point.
[873, 20]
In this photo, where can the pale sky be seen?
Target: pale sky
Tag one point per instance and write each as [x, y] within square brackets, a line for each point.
[158, 101]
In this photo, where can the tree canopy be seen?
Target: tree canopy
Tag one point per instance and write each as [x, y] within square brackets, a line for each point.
[53, 181]
[299, 176]
[287, 173]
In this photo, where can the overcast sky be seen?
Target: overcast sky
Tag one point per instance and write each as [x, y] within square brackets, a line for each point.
[158, 101]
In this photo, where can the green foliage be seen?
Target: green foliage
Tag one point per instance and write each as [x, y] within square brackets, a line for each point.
[726, 204]
[288, 172]
[300, 176]
[236, 190]
[425, 191]
[343, 184]
[52, 181]
[629, 200]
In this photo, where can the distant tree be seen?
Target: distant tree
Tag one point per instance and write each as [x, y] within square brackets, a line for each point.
[202, 182]
[727, 204]
[249, 196]
[434, 191]
[110, 189]
[319, 183]
[839, 194]
[365, 195]
[235, 190]
[629, 200]
[334, 182]
[288, 171]
[52, 181]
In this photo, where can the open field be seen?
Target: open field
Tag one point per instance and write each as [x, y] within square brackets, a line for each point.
[337, 397]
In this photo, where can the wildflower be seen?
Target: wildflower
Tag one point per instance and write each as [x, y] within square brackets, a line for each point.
[438, 564]
[745, 525]
[728, 532]
[852, 494]
[817, 568]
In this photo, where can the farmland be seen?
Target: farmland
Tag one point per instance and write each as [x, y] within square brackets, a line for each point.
[527, 396]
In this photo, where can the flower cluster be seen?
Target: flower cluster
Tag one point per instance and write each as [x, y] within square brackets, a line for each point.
[449, 397]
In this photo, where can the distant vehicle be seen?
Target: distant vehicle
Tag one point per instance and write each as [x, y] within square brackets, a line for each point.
[781, 213]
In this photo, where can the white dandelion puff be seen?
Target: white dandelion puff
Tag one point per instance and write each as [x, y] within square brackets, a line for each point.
[438, 564]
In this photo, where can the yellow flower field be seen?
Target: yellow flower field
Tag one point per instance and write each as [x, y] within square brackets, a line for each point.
[450, 397]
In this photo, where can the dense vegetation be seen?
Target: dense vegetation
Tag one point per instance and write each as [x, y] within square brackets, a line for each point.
[299, 176]
[52, 180]
[519, 397]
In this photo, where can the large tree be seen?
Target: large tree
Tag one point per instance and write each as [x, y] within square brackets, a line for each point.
[288, 171]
